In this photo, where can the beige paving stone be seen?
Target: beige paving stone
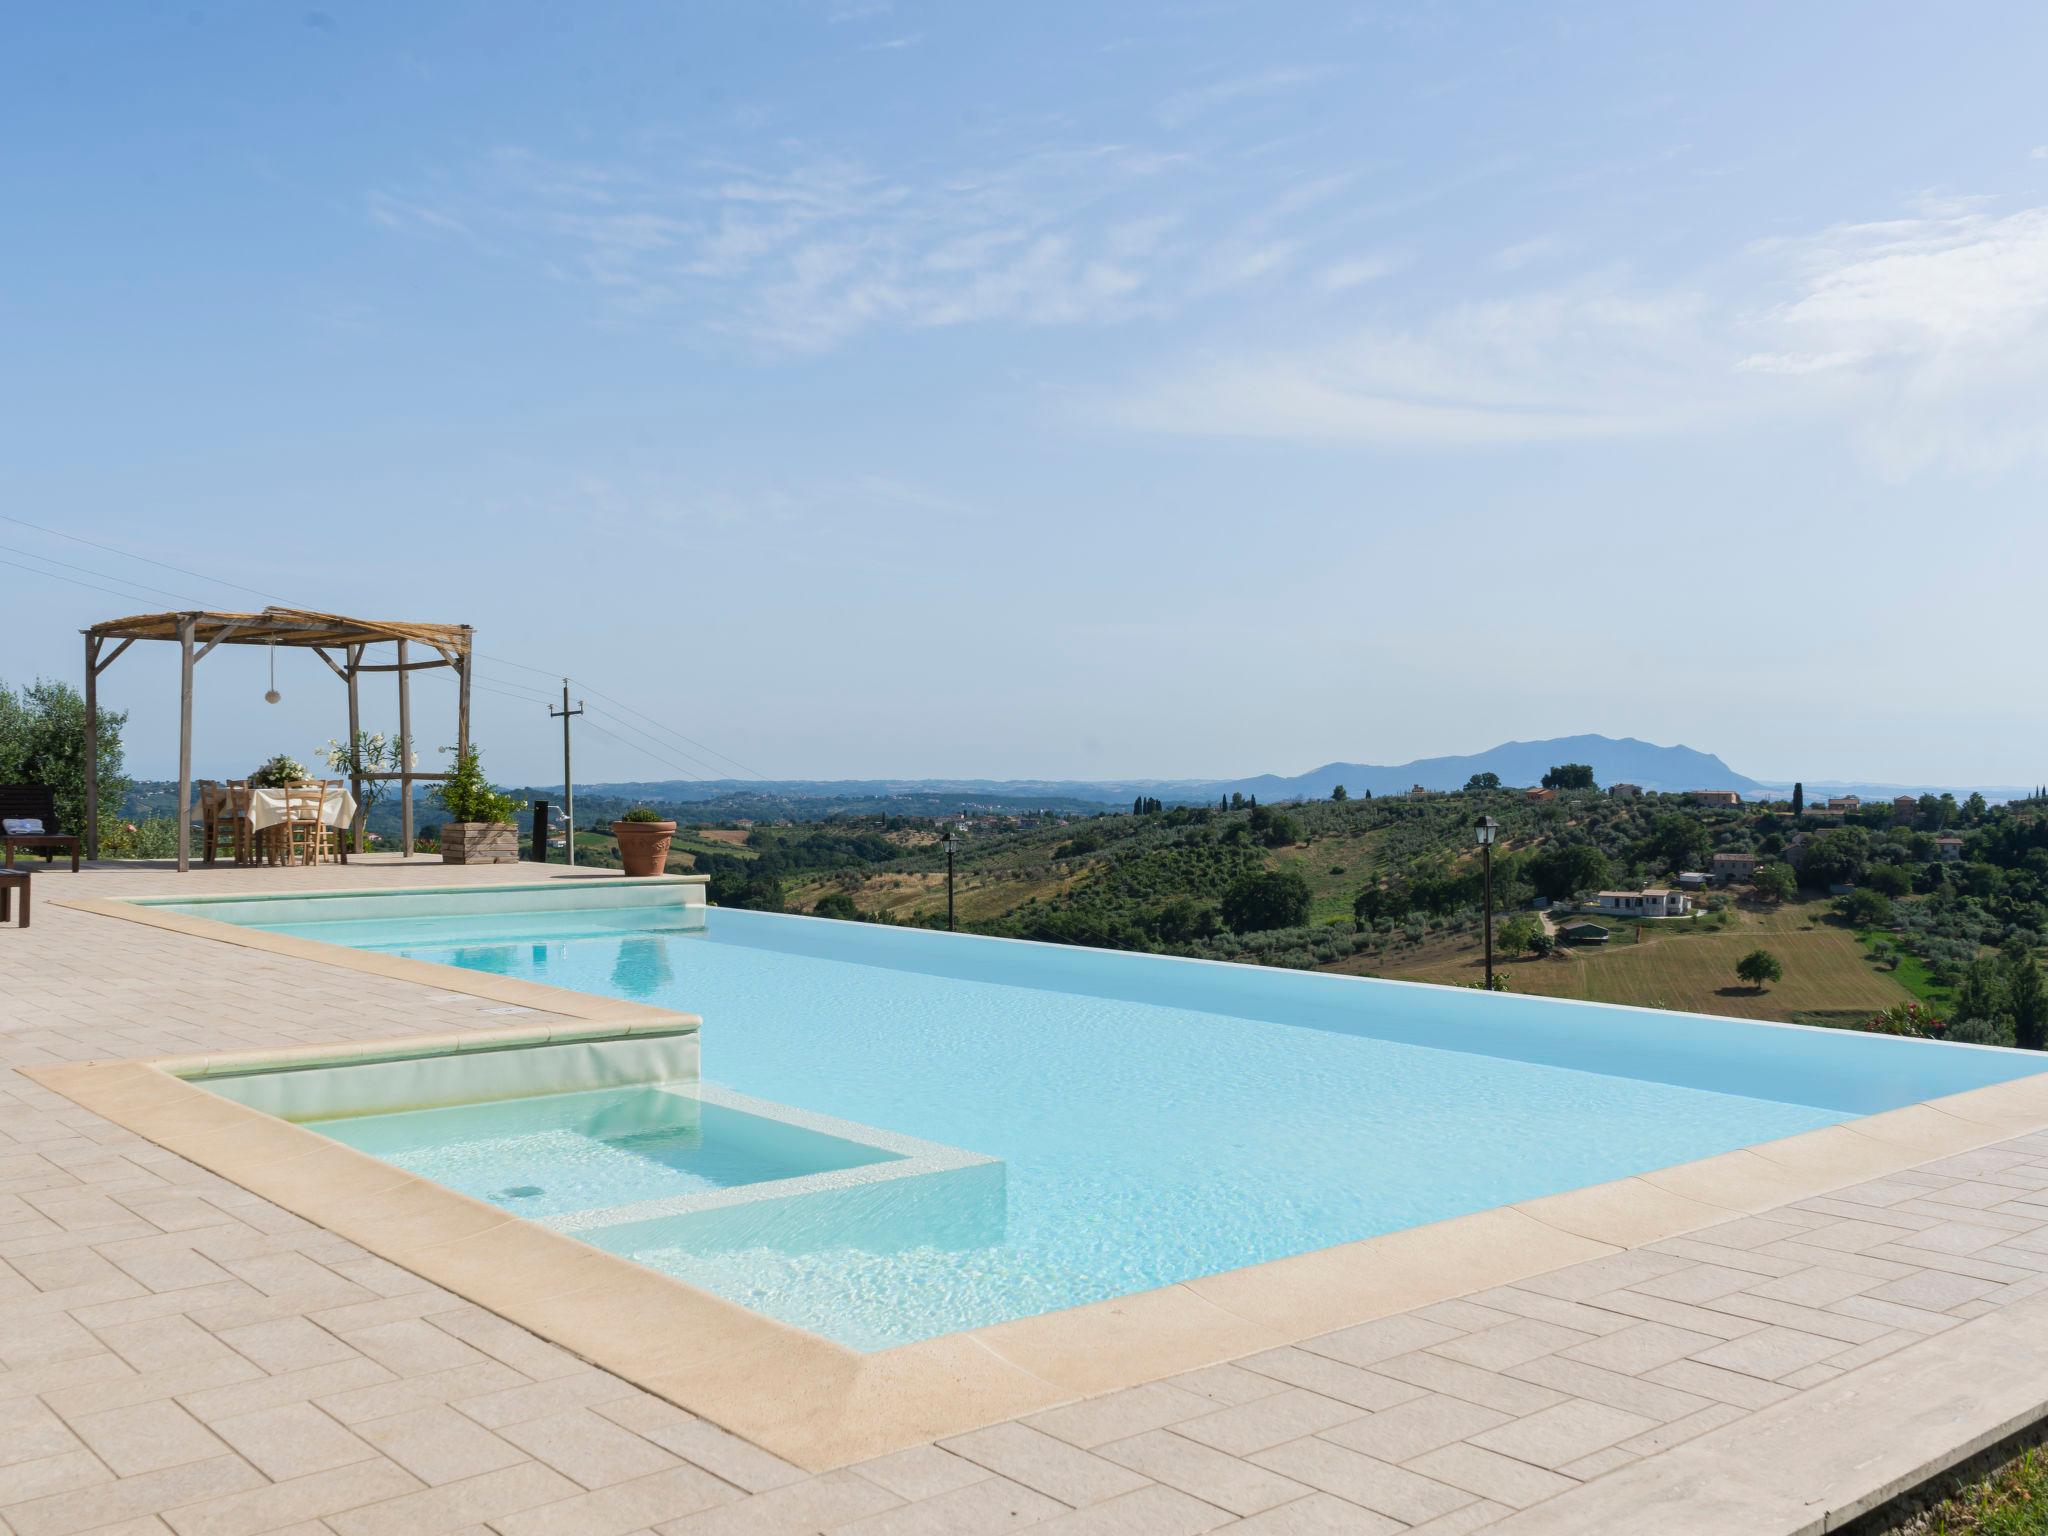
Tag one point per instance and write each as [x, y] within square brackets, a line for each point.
[1408, 1496]
[1582, 1282]
[1932, 1290]
[467, 1385]
[1227, 1384]
[1368, 1343]
[820, 1503]
[1228, 1482]
[278, 1504]
[39, 1476]
[146, 1437]
[1589, 1383]
[990, 1505]
[1268, 1421]
[922, 1472]
[288, 1344]
[1051, 1466]
[1509, 1343]
[1486, 1388]
[1149, 1511]
[592, 1450]
[1320, 1514]
[1559, 1436]
[1330, 1378]
[699, 1442]
[438, 1445]
[622, 1507]
[1817, 1286]
[473, 1501]
[1551, 1309]
[316, 1382]
[1473, 1517]
[1414, 1427]
[540, 1399]
[1499, 1478]
[131, 1498]
[1678, 1431]
[1133, 1410]
[1744, 1391]
[1641, 1348]
[29, 1432]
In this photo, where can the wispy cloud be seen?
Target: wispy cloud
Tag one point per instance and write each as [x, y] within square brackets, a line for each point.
[1926, 335]
[801, 254]
[1183, 107]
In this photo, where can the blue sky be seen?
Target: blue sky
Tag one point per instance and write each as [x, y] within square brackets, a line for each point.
[1058, 390]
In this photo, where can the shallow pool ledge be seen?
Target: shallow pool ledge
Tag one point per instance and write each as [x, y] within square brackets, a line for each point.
[821, 1405]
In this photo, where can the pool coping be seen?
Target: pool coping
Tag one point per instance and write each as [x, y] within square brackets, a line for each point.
[821, 1405]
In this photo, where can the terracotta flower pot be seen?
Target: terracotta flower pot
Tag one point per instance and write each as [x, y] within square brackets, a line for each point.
[643, 845]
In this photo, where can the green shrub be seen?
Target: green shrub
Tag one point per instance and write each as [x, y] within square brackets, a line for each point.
[466, 795]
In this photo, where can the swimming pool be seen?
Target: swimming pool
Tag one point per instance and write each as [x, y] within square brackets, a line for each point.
[1155, 1119]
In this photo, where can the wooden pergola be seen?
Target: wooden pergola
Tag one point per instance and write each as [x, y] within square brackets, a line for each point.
[326, 635]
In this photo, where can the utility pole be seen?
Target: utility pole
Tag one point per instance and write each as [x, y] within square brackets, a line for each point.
[564, 714]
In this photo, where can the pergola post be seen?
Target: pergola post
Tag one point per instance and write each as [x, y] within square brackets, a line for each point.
[92, 746]
[187, 624]
[404, 755]
[462, 693]
[354, 653]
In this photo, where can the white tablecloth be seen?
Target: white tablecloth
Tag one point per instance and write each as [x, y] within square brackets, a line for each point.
[266, 808]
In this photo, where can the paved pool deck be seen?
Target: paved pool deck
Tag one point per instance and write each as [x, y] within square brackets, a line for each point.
[177, 1354]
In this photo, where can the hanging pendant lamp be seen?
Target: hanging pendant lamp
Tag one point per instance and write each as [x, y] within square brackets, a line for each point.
[273, 695]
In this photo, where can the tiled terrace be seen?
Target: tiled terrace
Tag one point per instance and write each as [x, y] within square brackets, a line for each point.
[179, 1356]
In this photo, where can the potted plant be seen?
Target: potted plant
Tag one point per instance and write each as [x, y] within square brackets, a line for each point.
[278, 772]
[643, 841]
[479, 829]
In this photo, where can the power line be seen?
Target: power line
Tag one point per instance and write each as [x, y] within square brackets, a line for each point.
[88, 570]
[126, 597]
[144, 559]
[671, 730]
[590, 724]
[659, 744]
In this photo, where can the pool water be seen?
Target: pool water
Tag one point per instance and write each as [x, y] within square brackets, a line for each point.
[559, 1153]
[1157, 1119]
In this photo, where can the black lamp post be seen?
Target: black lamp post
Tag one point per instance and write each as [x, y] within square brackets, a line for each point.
[952, 841]
[1486, 829]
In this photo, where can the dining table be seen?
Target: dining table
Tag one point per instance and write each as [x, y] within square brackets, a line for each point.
[267, 809]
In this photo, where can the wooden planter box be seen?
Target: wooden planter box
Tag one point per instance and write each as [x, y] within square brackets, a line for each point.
[479, 842]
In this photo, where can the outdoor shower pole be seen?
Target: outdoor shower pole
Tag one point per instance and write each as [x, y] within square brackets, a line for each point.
[568, 784]
[1489, 917]
[1484, 831]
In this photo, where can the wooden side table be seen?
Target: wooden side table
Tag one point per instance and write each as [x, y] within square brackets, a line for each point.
[11, 881]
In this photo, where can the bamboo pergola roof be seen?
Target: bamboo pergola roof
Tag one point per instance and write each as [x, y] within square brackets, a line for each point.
[281, 626]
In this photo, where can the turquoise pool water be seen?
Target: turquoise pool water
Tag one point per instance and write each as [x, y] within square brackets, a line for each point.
[1157, 1119]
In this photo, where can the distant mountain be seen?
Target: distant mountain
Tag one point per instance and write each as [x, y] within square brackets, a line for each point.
[1626, 760]
[1517, 763]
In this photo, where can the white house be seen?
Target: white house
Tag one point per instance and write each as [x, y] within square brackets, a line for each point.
[1655, 902]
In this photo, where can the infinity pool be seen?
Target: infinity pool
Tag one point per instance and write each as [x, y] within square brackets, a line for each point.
[1156, 1119]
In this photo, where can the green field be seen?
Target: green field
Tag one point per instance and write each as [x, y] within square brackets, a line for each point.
[1691, 968]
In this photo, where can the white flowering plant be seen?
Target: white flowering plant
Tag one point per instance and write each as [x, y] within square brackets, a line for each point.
[370, 752]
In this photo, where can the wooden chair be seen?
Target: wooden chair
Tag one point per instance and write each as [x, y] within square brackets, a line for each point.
[302, 837]
[34, 802]
[226, 820]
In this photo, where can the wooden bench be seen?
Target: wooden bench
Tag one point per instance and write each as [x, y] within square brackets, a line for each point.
[13, 880]
[34, 802]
